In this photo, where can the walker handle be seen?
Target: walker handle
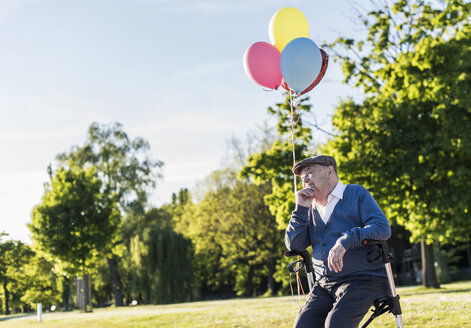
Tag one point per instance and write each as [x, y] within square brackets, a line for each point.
[306, 258]
[383, 248]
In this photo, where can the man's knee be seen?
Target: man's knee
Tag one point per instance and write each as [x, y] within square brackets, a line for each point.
[308, 317]
[315, 310]
[308, 320]
[337, 319]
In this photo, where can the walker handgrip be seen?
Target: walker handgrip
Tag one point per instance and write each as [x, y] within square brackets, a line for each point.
[381, 243]
[383, 248]
[292, 266]
[295, 253]
[306, 258]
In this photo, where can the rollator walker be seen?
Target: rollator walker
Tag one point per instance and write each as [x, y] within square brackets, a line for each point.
[381, 305]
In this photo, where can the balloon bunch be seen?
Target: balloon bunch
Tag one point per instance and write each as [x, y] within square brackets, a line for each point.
[292, 61]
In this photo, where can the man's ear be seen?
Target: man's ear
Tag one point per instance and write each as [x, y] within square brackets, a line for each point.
[331, 168]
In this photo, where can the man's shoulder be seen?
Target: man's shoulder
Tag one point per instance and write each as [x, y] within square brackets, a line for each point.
[355, 189]
[357, 193]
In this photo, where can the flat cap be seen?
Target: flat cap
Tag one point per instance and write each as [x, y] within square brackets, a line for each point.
[323, 160]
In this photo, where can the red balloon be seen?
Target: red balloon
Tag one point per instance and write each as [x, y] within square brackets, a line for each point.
[325, 62]
[262, 64]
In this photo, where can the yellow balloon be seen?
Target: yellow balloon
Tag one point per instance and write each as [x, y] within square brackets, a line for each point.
[287, 24]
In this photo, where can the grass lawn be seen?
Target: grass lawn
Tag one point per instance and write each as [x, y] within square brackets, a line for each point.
[448, 307]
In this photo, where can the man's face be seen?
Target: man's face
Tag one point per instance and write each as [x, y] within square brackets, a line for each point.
[314, 176]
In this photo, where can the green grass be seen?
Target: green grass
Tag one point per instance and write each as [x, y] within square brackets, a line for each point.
[448, 307]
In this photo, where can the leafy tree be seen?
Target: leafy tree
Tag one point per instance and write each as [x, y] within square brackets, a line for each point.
[235, 237]
[196, 222]
[123, 165]
[75, 221]
[250, 239]
[102, 290]
[13, 255]
[182, 197]
[164, 271]
[408, 139]
[39, 282]
[161, 259]
[126, 170]
[179, 200]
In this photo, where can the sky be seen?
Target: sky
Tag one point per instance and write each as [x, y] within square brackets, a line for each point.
[170, 71]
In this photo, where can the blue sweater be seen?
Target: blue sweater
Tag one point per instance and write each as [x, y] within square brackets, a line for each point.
[355, 217]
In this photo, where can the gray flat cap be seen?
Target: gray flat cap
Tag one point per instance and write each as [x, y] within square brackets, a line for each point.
[323, 160]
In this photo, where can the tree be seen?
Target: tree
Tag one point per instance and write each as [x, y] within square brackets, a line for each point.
[198, 222]
[408, 139]
[75, 221]
[13, 255]
[158, 261]
[249, 236]
[163, 262]
[126, 170]
[235, 238]
[39, 282]
[102, 291]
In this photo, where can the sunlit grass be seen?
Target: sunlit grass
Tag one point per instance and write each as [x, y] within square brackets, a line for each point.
[448, 307]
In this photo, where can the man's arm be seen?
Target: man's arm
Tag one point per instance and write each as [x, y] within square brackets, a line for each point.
[375, 224]
[297, 235]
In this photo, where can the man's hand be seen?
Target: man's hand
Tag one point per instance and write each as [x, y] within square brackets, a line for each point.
[305, 197]
[335, 258]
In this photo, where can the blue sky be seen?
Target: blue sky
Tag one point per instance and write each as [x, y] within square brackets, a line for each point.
[169, 71]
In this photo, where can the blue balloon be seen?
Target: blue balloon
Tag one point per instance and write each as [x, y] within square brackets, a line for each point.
[300, 63]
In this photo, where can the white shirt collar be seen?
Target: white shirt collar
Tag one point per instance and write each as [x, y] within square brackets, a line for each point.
[338, 190]
[335, 196]
[337, 193]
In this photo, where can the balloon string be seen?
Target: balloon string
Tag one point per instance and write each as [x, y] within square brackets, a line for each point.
[284, 94]
[300, 284]
[292, 293]
[293, 124]
[296, 103]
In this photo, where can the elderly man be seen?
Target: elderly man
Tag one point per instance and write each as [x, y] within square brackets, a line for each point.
[334, 219]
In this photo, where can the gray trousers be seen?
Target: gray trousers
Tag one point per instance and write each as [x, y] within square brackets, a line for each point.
[341, 304]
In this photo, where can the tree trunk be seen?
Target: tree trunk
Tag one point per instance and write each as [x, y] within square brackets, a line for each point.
[79, 293]
[271, 281]
[65, 293]
[87, 291]
[115, 281]
[249, 282]
[84, 300]
[6, 293]
[468, 252]
[429, 277]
